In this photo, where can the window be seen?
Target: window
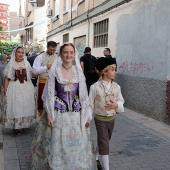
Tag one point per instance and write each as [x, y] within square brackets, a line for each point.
[81, 8]
[65, 38]
[65, 9]
[101, 33]
[1, 14]
[80, 44]
[57, 7]
[1, 7]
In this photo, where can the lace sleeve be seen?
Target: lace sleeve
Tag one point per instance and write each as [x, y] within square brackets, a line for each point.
[9, 72]
[6, 70]
[48, 96]
[84, 99]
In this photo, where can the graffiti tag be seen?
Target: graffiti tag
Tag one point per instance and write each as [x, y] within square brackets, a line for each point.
[141, 67]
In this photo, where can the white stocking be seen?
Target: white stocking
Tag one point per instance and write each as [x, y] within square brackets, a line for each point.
[105, 160]
[97, 153]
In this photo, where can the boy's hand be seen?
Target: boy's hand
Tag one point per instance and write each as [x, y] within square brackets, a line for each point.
[112, 105]
[87, 123]
[49, 121]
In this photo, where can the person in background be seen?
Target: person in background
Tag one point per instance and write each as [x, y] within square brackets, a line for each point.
[107, 54]
[3, 63]
[42, 64]
[105, 100]
[31, 59]
[8, 58]
[88, 62]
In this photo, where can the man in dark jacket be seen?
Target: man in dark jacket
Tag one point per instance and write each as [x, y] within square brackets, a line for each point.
[107, 52]
[88, 66]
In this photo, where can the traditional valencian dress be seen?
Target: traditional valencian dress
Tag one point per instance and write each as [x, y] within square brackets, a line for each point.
[67, 145]
[20, 111]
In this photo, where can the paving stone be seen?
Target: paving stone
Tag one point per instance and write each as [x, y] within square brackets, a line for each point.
[10, 154]
[132, 147]
[11, 165]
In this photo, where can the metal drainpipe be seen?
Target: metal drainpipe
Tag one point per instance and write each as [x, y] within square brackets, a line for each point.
[88, 30]
[71, 11]
[88, 36]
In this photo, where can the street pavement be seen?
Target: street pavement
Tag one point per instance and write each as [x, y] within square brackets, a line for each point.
[138, 143]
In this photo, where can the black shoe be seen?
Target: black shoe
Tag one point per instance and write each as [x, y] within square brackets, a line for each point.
[99, 166]
[18, 132]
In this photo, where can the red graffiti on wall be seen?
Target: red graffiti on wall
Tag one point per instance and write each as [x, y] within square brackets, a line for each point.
[141, 67]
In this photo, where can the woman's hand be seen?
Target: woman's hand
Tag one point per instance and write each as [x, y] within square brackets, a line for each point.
[112, 105]
[49, 121]
[87, 123]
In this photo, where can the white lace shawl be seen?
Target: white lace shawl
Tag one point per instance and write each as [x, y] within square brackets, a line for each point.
[9, 71]
[49, 91]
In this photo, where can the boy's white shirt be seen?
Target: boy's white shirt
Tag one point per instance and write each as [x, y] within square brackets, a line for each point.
[92, 96]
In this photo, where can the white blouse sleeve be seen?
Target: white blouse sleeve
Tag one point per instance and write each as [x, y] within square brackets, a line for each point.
[6, 70]
[37, 68]
[120, 101]
[92, 96]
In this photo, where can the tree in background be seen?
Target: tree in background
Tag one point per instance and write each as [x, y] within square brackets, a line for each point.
[1, 26]
[7, 46]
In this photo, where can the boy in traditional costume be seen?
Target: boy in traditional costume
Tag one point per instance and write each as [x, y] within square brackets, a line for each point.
[105, 100]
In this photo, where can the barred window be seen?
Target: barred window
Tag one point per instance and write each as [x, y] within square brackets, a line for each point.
[65, 38]
[101, 33]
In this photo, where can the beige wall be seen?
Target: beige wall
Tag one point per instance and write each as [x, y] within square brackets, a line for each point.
[113, 15]
[63, 18]
[39, 32]
[14, 23]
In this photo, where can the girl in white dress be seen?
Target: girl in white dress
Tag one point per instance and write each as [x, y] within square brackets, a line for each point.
[21, 109]
[62, 139]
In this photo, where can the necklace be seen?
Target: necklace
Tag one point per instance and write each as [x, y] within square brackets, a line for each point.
[19, 65]
[66, 68]
[106, 93]
[18, 61]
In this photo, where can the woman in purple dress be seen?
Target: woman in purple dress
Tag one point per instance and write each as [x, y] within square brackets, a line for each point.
[62, 139]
